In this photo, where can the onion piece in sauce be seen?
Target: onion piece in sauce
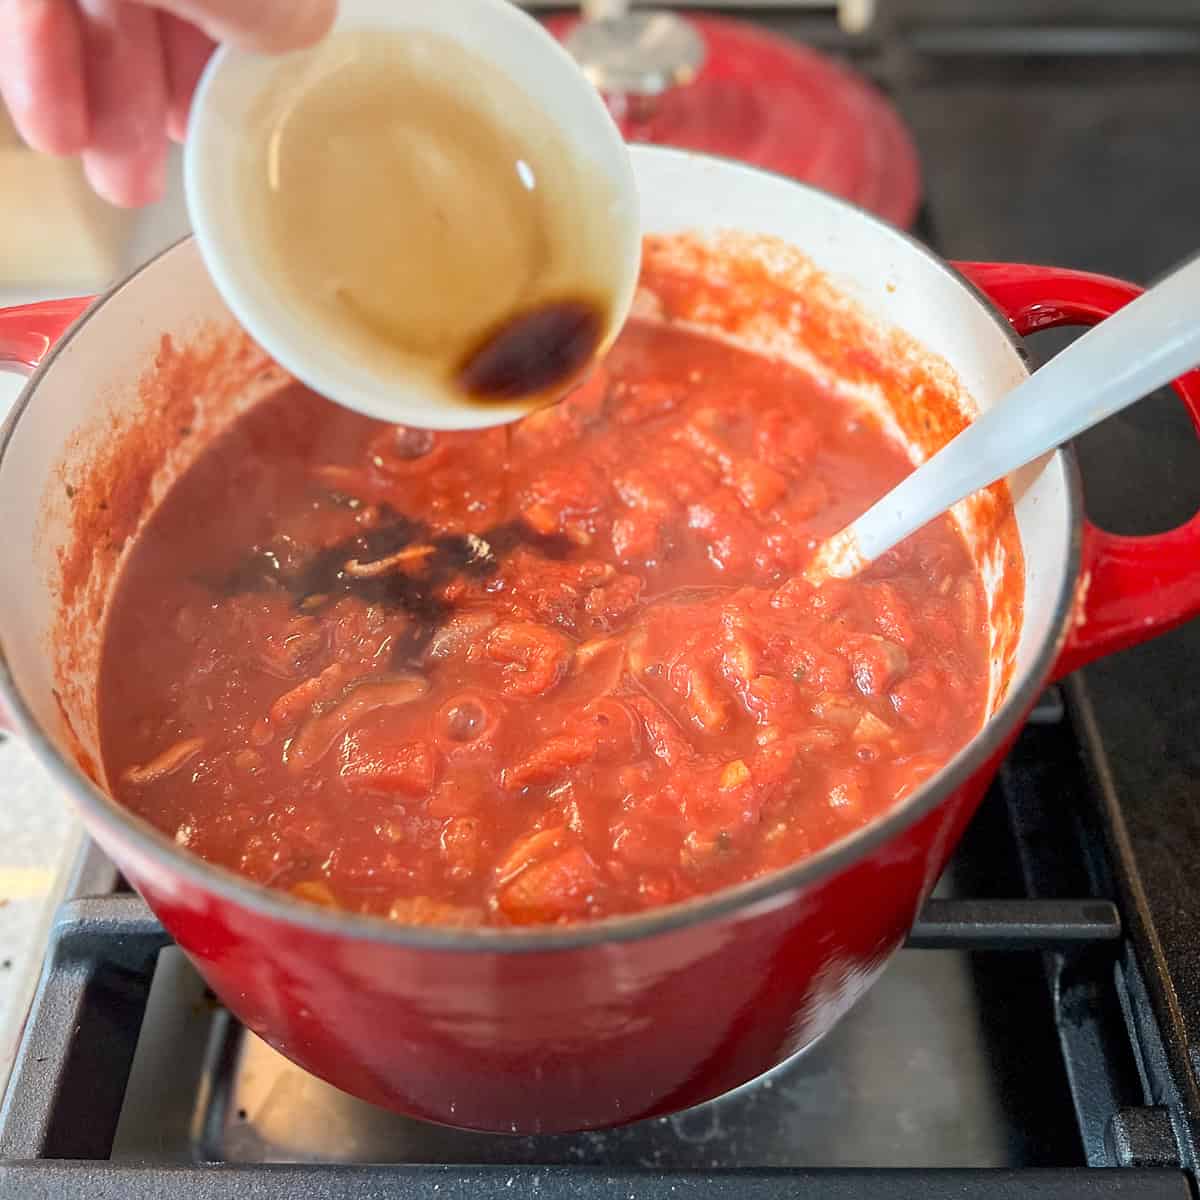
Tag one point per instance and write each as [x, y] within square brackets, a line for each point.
[166, 763]
[318, 736]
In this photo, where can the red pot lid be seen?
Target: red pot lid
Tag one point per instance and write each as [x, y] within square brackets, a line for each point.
[774, 103]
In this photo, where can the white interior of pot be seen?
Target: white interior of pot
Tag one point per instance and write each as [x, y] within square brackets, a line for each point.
[92, 390]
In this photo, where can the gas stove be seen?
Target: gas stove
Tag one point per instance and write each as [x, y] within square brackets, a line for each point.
[1040, 1034]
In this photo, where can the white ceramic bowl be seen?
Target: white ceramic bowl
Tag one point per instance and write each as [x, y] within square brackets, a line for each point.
[508, 39]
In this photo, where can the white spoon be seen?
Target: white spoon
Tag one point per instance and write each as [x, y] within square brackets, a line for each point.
[1144, 345]
[590, 193]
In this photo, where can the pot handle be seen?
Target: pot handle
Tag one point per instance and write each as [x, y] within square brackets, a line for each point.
[26, 333]
[1130, 588]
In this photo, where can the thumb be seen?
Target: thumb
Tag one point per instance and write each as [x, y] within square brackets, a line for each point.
[262, 25]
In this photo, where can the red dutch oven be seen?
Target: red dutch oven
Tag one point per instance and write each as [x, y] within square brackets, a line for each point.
[571, 1027]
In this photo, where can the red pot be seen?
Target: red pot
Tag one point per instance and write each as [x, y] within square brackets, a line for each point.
[563, 1028]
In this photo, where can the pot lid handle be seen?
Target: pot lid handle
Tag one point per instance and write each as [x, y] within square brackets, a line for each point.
[628, 54]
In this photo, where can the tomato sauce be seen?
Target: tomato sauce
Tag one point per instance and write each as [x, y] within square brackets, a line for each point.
[543, 674]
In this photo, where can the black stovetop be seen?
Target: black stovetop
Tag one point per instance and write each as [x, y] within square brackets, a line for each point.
[1046, 1021]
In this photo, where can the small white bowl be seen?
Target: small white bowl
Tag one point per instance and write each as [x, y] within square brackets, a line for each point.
[511, 41]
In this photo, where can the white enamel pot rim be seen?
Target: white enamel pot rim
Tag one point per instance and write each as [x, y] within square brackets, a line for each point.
[142, 841]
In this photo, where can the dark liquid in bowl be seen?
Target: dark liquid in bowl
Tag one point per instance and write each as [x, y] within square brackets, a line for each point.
[474, 678]
[535, 352]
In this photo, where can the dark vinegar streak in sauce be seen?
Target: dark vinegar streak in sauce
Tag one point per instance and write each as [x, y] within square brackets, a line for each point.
[415, 592]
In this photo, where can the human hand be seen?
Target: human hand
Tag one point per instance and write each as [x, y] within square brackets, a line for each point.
[112, 80]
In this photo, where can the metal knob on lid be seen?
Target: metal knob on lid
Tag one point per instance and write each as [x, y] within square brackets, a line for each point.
[639, 54]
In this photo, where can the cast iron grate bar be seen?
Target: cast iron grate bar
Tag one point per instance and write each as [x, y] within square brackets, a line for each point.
[89, 923]
[1014, 925]
[68, 1082]
[86, 1181]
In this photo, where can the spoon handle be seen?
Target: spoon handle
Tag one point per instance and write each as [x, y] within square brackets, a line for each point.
[1144, 345]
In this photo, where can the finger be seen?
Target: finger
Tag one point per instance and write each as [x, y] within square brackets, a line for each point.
[41, 74]
[125, 158]
[186, 50]
[266, 25]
